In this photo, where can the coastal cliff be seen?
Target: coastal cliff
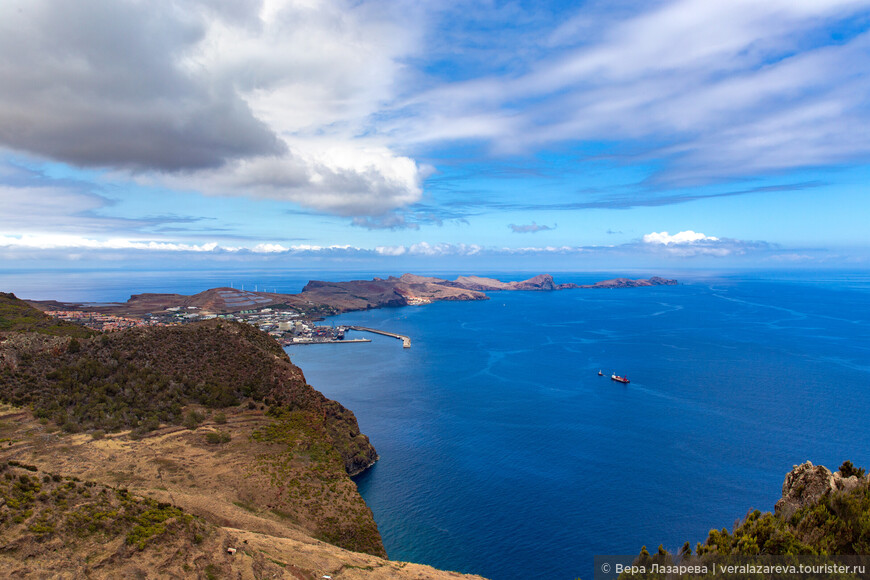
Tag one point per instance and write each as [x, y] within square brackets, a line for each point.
[821, 513]
[210, 418]
[539, 282]
[408, 289]
[60, 526]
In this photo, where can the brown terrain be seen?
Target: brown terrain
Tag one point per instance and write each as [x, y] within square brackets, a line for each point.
[149, 452]
[539, 282]
[256, 497]
[328, 298]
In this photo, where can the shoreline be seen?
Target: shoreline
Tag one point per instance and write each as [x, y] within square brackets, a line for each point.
[319, 299]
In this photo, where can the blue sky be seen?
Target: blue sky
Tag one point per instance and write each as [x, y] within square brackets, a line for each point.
[392, 135]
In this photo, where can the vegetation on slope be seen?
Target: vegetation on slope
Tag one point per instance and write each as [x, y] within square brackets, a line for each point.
[139, 378]
[837, 524]
[42, 507]
[144, 377]
[53, 526]
[302, 440]
[18, 316]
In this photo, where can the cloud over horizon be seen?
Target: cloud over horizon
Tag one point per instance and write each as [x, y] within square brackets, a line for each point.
[683, 244]
[689, 243]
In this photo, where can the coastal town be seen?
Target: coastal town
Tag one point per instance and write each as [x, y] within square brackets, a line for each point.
[292, 319]
[285, 325]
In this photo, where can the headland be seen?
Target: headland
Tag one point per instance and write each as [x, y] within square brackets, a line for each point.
[292, 318]
[186, 451]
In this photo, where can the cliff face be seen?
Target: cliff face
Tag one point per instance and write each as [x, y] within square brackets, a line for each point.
[56, 526]
[390, 292]
[213, 411]
[806, 484]
[820, 513]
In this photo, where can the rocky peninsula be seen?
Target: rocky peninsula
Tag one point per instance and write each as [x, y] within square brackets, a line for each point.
[321, 298]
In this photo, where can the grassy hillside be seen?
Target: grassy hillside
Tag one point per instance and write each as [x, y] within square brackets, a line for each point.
[18, 316]
[296, 444]
[54, 526]
[144, 377]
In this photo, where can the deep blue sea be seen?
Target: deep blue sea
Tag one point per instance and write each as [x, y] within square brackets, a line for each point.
[503, 452]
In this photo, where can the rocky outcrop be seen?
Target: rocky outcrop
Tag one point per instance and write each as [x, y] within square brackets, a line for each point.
[621, 283]
[657, 281]
[539, 282]
[481, 284]
[805, 484]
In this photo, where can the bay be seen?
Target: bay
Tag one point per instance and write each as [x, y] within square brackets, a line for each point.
[503, 452]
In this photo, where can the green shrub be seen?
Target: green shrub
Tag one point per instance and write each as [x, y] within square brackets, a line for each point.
[220, 418]
[14, 463]
[192, 419]
[211, 572]
[217, 437]
[848, 470]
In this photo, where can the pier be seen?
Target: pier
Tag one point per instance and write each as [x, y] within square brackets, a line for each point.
[307, 340]
[406, 340]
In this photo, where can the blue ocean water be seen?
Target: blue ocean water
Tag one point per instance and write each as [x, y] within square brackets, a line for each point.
[503, 453]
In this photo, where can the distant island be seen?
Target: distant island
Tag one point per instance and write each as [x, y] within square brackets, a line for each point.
[319, 298]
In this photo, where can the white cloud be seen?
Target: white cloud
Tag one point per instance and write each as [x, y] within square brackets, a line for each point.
[427, 249]
[689, 243]
[268, 99]
[49, 241]
[320, 103]
[545, 250]
[391, 250]
[64, 241]
[430, 250]
[686, 237]
[658, 245]
[715, 89]
[269, 248]
[346, 179]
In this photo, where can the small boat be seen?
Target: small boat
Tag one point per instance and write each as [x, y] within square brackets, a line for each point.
[615, 377]
[600, 374]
